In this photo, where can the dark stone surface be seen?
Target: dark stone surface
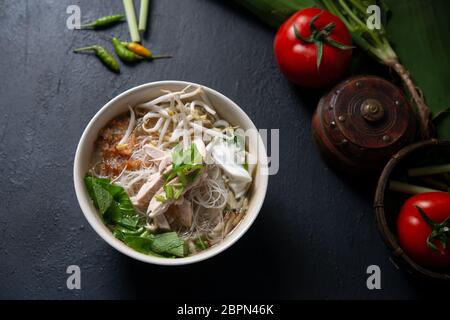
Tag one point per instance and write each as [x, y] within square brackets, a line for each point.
[315, 235]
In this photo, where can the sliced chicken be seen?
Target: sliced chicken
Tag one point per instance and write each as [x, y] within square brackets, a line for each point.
[147, 191]
[181, 212]
[151, 187]
[156, 207]
[165, 164]
[161, 222]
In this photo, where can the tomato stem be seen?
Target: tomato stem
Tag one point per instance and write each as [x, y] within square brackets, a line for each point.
[440, 231]
[318, 37]
[424, 216]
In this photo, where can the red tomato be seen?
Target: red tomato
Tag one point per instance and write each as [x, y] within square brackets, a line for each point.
[300, 40]
[414, 230]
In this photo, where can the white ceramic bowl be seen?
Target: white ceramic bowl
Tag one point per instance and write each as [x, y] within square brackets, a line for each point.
[226, 108]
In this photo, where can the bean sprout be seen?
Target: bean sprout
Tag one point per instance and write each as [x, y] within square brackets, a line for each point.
[130, 128]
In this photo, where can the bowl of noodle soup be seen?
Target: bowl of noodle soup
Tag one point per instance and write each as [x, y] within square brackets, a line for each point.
[170, 172]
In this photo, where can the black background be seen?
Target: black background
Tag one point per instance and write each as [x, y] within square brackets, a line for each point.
[314, 237]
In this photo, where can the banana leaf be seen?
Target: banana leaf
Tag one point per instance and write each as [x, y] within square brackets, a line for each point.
[419, 31]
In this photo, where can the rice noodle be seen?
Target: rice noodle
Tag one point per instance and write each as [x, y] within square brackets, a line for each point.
[212, 194]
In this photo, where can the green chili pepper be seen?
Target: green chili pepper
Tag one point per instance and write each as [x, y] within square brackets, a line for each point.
[108, 59]
[104, 22]
[143, 51]
[123, 53]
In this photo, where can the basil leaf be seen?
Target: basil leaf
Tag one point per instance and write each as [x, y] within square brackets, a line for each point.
[140, 244]
[129, 221]
[121, 232]
[113, 189]
[102, 199]
[161, 245]
[112, 201]
[169, 243]
[117, 210]
[113, 214]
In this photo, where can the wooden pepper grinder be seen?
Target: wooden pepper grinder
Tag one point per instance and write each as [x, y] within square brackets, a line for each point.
[362, 122]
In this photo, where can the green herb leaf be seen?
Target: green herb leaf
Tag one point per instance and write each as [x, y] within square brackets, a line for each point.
[160, 198]
[121, 232]
[199, 243]
[182, 178]
[129, 221]
[112, 201]
[178, 193]
[190, 156]
[141, 244]
[117, 210]
[106, 184]
[186, 166]
[103, 198]
[169, 243]
[163, 245]
[169, 191]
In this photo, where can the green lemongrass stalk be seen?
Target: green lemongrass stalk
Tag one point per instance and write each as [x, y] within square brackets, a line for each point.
[428, 171]
[131, 19]
[354, 15]
[143, 14]
[408, 188]
[434, 183]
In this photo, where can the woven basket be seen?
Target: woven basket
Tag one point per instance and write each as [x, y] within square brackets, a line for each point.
[387, 204]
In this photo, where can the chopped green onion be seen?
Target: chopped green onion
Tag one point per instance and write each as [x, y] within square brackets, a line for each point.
[199, 243]
[143, 14]
[179, 193]
[169, 191]
[131, 19]
[187, 165]
[160, 198]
